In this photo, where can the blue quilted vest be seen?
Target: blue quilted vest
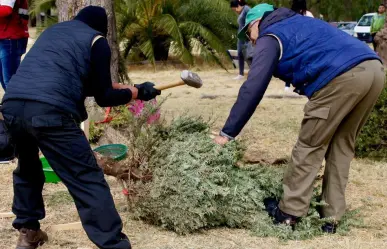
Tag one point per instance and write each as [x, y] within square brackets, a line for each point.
[56, 69]
[313, 52]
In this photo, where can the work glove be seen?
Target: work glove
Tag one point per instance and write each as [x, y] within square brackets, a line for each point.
[146, 91]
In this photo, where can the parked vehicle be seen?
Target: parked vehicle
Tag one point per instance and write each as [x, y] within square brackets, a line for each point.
[363, 28]
[334, 24]
[347, 27]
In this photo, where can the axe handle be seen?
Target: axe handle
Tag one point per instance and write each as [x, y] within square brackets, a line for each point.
[169, 85]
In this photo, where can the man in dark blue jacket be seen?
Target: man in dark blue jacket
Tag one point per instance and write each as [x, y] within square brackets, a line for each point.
[341, 76]
[43, 108]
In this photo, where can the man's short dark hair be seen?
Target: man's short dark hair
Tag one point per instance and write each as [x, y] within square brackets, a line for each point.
[382, 5]
[236, 3]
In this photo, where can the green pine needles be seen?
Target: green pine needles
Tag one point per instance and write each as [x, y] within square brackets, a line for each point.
[182, 181]
[196, 185]
[372, 142]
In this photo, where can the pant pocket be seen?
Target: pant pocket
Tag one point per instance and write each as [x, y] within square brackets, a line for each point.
[313, 124]
[46, 121]
[7, 149]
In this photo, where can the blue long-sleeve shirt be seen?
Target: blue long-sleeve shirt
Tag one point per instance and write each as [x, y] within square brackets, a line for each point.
[266, 56]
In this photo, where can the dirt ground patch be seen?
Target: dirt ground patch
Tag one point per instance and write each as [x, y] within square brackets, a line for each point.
[270, 134]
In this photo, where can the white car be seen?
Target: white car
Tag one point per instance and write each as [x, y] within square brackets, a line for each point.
[362, 30]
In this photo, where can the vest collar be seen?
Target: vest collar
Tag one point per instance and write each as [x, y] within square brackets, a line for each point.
[276, 16]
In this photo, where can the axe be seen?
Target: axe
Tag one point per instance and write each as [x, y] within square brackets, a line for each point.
[187, 78]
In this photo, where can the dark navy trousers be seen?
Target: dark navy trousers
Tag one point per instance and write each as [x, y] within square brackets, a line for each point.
[241, 57]
[35, 126]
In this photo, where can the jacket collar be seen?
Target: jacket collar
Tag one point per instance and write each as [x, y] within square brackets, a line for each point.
[276, 16]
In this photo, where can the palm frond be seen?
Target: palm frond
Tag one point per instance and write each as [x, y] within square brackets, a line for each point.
[125, 15]
[168, 24]
[135, 30]
[127, 46]
[184, 54]
[146, 48]
[198, 30]
[38, 6]
[206, 53]
[187, 57]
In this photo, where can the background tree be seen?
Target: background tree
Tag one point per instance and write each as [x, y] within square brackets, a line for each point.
[190, 30]
[42, 6]
[68, 9]
[332, 10]
[151, 29]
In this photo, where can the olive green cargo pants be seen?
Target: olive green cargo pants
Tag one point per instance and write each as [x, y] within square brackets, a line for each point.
[333, 119]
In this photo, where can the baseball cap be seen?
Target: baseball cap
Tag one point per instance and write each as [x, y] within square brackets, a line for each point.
[254, 14]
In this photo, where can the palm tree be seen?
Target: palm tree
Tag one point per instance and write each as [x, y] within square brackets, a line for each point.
[39, 6]
[152, 28]
[143, 27]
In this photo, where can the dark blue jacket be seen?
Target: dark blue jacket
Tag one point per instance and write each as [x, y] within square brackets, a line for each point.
[56, 68]
[310, 54]
[63, 67]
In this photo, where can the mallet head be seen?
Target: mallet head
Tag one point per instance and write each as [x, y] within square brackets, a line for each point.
[191, 79]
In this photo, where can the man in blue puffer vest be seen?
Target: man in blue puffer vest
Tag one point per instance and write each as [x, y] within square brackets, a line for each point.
[43, 108]
[341, 76]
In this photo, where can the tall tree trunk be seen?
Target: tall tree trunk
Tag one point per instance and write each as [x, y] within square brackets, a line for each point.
[68, 9]
[381, 41]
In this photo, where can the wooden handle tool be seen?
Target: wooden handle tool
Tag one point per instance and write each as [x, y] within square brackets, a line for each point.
[187, 78]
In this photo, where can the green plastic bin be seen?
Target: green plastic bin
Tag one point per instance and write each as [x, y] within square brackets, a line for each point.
[113, 151]
[49, 173]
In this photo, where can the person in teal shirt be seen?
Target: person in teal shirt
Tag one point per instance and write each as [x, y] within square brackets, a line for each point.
[378, 23]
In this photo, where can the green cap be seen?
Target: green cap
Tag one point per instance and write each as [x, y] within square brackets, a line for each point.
[254, 14]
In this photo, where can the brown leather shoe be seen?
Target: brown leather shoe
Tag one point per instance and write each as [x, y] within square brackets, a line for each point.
[30, 239]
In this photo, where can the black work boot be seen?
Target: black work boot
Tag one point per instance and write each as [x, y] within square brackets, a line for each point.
[271, 205]
[329, 228]
[30, 239]
[284, 218]
[280, 217]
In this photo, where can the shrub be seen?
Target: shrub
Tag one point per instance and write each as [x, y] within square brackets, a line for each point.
[95, 132]
[196, 185]
[176, 177]
[372, 141]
